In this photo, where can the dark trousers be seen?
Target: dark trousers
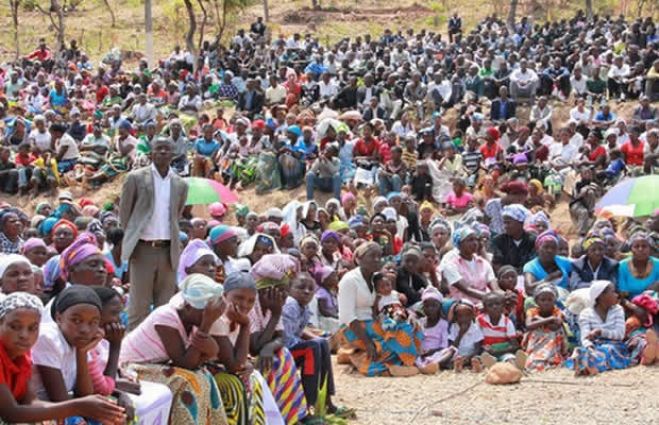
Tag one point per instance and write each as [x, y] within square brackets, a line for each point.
[314, 361]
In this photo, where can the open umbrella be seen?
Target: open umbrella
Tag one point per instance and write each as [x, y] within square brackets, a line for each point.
[634, 197]
[206, 191]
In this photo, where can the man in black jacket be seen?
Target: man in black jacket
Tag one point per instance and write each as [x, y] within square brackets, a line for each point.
[252, 100]
[502, 108]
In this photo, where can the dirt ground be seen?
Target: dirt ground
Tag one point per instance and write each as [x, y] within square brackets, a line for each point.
[554, 397]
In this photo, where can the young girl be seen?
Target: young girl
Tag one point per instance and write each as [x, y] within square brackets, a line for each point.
[434, 352]
[639, 327]
[311, 353]
[171, 345]
[465, 337]
[514, 299]
[20, 316]
[245, 393]
[309, 248]
[328, 309]
[272, 274]
[388, 303]
[545, 340]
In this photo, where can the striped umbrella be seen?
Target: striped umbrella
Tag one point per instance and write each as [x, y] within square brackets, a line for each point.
[633, 197]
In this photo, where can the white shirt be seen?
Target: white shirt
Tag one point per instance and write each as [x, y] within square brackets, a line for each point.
[40, 141]
[577, 140]
[523, 77]
[467, 344]
[581, 117]
[275, 94]
[158, 227]
[72, 151]
[143, 113]
[355, 298]
[561, 154]
[52, 350]
[328, 90]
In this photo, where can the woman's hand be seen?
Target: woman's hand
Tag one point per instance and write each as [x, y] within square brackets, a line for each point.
[213, 310]
[205, 344]
[100, 408]
[100, 334]
[114, 333]
[124, 401]
[235, 316]
[594, 334]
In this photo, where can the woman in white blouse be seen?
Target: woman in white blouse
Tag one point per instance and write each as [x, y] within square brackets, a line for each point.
[375, 351]
[602, 328]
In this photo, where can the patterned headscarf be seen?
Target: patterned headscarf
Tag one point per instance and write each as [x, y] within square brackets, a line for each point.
[544, 237]
[193, 251]
[461, 234]
[198, 289]
[274, 270]
[51, 272]
[440, 223]
[17, 300]
[545, 288]
[221, 233]
[82, 248]
[96, 228]
[592, 240]
[515, 211]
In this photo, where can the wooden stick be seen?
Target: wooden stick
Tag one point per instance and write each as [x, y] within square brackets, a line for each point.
[576, 383]
[448, 397]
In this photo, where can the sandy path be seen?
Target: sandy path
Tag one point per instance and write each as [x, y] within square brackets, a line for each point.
[554, 397]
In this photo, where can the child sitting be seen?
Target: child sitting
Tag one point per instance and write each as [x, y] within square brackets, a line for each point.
[328, 308]
[639, 333]
[499, 336]
[465, 337]
[311, 353]
[434, 352]
[545, 341]
[613, 170]
[514, 299]
[388, 303]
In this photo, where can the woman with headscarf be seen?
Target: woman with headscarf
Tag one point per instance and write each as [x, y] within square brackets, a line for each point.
[329, 249]
[602, 327]
[272, 274]
[309, 218]
[223, 240]
[35, 250]
[515, 246]
[16, 365]
[640, 272]
[171, 346]
[16, 275]
[254, 248]
[291, 158]
[440, 235]
[83, 263]
[64, 233]
[245, 393]
[376, 351]
[536, 194]
[10, 233]
[593, 265]
[197, 257]
[292, 217]
[548, 266]
[468, 275]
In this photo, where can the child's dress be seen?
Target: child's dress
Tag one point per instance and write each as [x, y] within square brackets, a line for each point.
[545, 348]
[327, 323]
[435, 338]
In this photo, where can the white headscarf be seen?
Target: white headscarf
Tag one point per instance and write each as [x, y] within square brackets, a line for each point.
[198, 289]
[10, 260]
[596, 289]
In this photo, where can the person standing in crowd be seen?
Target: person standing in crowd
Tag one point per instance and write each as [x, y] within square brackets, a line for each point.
[152, 201]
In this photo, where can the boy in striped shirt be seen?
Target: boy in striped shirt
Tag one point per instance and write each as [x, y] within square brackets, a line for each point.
[499, 336]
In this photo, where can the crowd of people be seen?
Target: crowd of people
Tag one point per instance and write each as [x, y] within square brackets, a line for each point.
[435, 251]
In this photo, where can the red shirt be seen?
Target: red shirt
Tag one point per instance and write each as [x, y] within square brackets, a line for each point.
[385, 153]
[490, 151]
[25, 160]
[599, 151]
[541, 154]
[362, 148]
[633, 154]
[15, 374]
[101, 92]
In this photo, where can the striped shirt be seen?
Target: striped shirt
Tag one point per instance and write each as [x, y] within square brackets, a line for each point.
[503, 331]
[472, 160]
[612, 328]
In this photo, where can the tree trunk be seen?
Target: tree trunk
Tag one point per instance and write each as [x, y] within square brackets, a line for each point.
[148, 29]
[112, 16]
[61, 30]
[203, 24]
[192, 28]
[14, 19]
[589, 9]
[511, 15]
[266, 11]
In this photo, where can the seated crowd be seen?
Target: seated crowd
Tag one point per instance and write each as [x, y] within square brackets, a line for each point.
[456, 264]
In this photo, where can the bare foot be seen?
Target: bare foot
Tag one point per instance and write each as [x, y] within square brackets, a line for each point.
[476, 365]
[458, 364]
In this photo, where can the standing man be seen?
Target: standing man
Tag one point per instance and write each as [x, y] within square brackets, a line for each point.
[454, 27]
[152, 201]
